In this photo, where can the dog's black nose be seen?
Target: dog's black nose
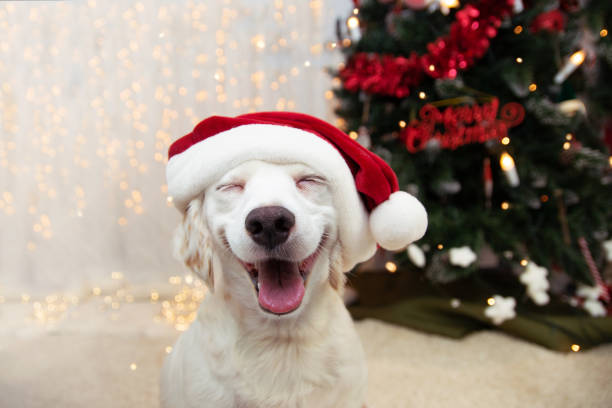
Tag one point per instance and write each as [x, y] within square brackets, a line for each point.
[269, 226]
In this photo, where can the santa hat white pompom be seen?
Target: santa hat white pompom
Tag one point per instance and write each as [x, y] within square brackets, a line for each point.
[370, 207]
[399, 221]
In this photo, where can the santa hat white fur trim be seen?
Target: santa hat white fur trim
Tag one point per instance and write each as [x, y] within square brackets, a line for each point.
[393, 224]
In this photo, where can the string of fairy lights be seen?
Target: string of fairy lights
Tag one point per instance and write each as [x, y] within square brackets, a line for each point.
[100, 92]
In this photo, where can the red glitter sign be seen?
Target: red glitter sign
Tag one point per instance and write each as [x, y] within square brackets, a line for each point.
[458, 126]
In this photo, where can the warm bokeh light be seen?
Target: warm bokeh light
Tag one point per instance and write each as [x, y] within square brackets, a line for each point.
[450, 3]
[506, 162]
[391, 267]
[577, 58]
[352, 22]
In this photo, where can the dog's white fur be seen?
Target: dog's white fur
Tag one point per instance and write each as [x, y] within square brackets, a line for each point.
[237, 355]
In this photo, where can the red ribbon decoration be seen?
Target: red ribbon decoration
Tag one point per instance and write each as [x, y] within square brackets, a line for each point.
[467, 41]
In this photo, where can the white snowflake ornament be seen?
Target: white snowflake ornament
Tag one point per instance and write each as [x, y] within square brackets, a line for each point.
[462, 256]
[594, 307]
[501, 309]
[540, 298]
[416, 255]
[534, 278]
[589, 292]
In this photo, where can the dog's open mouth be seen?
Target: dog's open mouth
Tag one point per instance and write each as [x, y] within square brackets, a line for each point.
[280, 284]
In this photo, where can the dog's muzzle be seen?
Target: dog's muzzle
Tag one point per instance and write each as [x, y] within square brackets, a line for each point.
[279, 283]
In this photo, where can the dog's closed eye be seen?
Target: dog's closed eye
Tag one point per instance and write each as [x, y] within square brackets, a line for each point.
[309, 181]
[231, 187]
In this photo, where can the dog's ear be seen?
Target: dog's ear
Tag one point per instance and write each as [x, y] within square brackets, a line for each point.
[192, 243]
[337, 279]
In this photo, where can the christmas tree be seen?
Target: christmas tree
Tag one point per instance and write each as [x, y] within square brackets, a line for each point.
[497, 115]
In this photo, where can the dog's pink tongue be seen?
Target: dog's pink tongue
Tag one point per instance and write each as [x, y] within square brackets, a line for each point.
[281, 287]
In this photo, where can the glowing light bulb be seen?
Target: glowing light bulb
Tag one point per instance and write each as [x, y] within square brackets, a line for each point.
[450, 3]
[490, 301]
[352, 22]
[391, 267]
[506, 162]
[577, 58]
[574, 61]
[353, 28]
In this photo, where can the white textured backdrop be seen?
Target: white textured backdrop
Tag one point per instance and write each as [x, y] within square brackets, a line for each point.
[91, 95]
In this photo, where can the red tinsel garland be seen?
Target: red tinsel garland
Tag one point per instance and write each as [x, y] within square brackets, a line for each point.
[467, 41]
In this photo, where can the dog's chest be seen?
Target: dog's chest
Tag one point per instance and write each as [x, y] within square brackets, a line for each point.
[285, 366]
[270, 373]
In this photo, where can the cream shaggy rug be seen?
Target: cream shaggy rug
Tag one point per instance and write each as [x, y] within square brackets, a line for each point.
[95, 359]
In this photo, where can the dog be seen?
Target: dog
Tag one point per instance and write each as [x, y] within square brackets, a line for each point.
[273, 330]
[276, 206]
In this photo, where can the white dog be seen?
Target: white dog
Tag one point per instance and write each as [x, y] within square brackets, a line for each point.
[273, 331]
[277, 205]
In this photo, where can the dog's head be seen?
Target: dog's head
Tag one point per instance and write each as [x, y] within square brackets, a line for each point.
[266, 235]
[269, 231]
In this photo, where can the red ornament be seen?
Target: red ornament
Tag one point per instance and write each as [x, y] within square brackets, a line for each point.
[487, 176]
[461, 125]
[552, 21]
[467, 41]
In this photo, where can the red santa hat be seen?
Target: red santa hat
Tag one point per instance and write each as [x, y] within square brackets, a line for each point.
[371, 209]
